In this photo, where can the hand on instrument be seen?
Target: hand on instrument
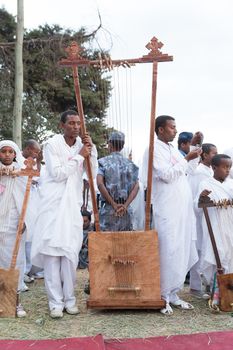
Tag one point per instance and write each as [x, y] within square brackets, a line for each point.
[205, 193]
[85, 150]
[86, 139]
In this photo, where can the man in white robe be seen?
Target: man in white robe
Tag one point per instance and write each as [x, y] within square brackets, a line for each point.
[217, 188]
[173, 214]
[202, 172]
[59, 227]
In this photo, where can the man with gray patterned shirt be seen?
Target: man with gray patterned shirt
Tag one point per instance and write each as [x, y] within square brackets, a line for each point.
[117, 181]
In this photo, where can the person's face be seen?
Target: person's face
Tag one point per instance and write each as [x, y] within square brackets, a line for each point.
[208, 156]
[168, 132]
[72, 126]
[7, 155]
[185, 147]
[32, 151]
[86, 222]
[110, 148]
[223, 169]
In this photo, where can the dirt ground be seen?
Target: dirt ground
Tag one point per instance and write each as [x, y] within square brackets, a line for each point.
[111, 324]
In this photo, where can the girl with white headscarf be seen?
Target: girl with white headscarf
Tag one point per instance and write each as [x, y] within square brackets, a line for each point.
[12, 191]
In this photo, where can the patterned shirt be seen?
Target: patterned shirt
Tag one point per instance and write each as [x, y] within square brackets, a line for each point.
[120, 175]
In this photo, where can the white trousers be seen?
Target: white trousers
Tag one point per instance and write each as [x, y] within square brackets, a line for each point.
[195, 277]
[60, 279]
[28, 264]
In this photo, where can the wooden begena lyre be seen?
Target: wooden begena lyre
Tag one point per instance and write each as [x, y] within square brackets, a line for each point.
[9, 278]
[225, 281]
[123, 266]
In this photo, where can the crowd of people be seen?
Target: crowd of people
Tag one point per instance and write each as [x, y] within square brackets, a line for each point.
[58, 219]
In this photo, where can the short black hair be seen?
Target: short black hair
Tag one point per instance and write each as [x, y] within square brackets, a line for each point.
[31, 143]
[86, 213]
[180, 141]
[64, 115]
[117, 144]
[206, 148]
[161, 122]
[216, 160]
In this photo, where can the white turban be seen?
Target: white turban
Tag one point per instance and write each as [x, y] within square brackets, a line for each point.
[19, 158]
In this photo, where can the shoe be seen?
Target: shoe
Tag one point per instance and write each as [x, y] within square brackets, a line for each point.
[199, 294]
[183, 305]
[39, 275]
[56, 313]
[20, 312]
[24, 288]
[28, 279]
[73, 310]
[167, 310]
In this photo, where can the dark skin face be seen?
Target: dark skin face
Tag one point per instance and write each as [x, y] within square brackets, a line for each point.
[185, 147]
[222, 170]
[86, 222]
[168, 132]
[7, 155]
[207, 157]
[32, 151]
[71, 128]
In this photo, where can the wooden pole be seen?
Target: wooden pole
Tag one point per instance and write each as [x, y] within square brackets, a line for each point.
[18, 95]
[21, 223]
[30, 172]
[83, 130]
[151, 146]
[212, 238]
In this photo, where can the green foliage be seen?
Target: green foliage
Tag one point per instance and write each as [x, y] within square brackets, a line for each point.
[48, 88]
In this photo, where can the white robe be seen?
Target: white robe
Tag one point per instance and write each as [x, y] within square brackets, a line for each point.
[138, 208]
[174, 218]
[58, 230]
[11, 201]
[229, 152]
[222, 225]
[201, 173]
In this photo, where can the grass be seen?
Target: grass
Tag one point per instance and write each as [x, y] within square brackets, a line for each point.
[111, 323]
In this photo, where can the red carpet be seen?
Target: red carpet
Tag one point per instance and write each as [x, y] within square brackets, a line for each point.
[200, 341]
[85, 343]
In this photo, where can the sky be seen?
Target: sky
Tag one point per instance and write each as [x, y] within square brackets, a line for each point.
[196, 88]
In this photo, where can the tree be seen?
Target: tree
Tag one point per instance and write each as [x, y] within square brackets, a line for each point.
[48, 89]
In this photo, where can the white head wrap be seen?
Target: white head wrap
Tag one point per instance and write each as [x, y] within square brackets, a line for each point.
[19, 158]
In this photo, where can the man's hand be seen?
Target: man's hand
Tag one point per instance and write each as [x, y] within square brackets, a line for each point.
[86, 140]
[197, 138]
[120, 210]
[205, 193]
[193, 154]
[85, 150]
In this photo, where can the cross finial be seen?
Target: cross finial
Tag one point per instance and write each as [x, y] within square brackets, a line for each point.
[154, 46]
[29, 162]
[73, 51]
